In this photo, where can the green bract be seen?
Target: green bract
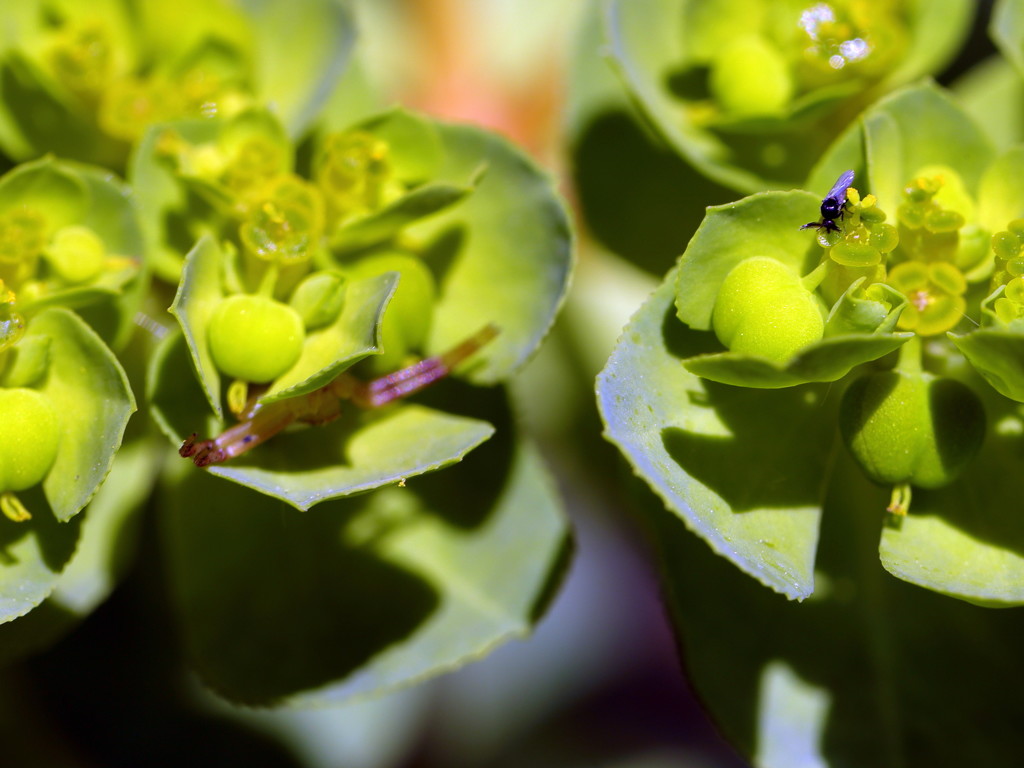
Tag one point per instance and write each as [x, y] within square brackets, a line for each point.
[751, 91]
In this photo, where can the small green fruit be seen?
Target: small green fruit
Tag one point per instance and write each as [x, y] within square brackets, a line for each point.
[750, 77]
[911, 427]
[319, 298]
[77, 254]
[29, 436]
[255, 338]
[763, 309]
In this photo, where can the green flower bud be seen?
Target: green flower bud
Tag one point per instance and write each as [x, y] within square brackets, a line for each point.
[763, 309]
[911, 428]
[318, 299]
[255, 338]
[29, 436]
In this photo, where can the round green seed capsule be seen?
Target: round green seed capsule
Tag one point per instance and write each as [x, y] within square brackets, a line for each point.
[29, 437]
[77, 254]
[912, 428]
[763, 309]
[255, 338]
[749, 77]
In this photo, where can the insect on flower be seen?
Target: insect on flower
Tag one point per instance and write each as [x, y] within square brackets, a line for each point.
[834, 204]
[259, 422]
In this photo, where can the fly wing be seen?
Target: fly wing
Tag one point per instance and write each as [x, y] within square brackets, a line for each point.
[842, 184]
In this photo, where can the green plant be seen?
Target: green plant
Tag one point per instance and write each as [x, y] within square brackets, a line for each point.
[308, 248]
[789, 393]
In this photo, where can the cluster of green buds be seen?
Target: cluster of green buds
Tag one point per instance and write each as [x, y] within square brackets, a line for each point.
[68, 240]
[82, 57]
[39, 261]
[1007, 288]
[282, 279]
[906, 427]
[109, 71]
[772, 57]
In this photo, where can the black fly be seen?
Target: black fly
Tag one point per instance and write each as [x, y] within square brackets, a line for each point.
[834, 205]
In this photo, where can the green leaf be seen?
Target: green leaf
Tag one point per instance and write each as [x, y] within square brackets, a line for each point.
[938, 31]
[352, 336]
[1001, 194]
[998, 355]
[387, 222]
[827, 360]
[99, 560]
[1006, 27]
[90, 391]
[364, 595]
[360, 451]
[172, 217]
[297, 77]
[415, 150]
[199, 293]
[765, 224]
[637, 196]
[502, 256]
[992, 93]
[715, 454]
[801, 684]
[47, 187]
[646, 45]
[38, 117]
[357, 454]
[32, 555]
[917, 127]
